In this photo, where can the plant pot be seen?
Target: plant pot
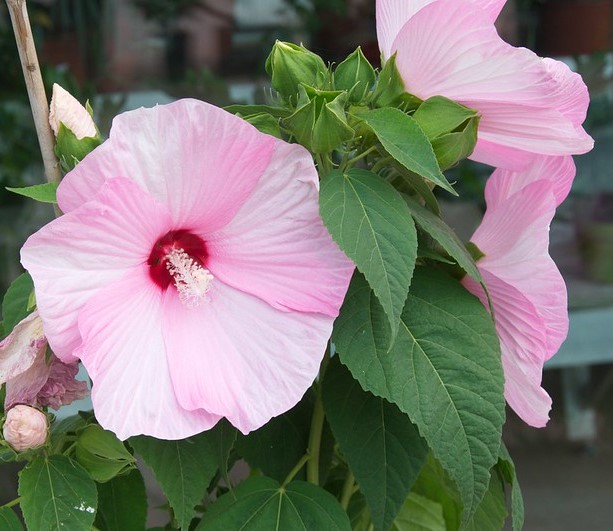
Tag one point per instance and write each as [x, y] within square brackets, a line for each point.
[573, 27]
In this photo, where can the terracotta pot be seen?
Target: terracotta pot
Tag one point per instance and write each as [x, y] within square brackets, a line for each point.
[573, 27]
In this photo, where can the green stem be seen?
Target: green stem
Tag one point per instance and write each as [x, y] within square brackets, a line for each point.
[69, 449]
[348, 490]
[12, 503]
[381, 163]
[352, 161]
[304, 459]
[317, 424]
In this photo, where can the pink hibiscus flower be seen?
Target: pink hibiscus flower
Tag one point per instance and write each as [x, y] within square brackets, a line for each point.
[191, 272]
[32, 379]
[451, 48]
[527, 292]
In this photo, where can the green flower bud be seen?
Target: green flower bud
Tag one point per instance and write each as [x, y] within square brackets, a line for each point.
[321, 124]
[290, 66]
[390, 90]
[355, 75]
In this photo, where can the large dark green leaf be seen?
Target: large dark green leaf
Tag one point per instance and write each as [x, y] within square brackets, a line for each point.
[122, 504]
[102, 454]
[262, 503]
[372, 224]
[492, 511]
[15, 302]
[222, 438]
[506, 468]
[183, 468]
[404, 140]
[56, 493]
[443, 370]
[379, 442]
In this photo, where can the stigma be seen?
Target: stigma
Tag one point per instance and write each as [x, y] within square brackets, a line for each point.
[190, 278]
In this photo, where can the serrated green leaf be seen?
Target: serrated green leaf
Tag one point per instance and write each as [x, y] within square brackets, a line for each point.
[506, 468]
[404, 140]
[56, 493]
[372, 224]
[102, 454]
[381, 445]
[261, 503]
[444, 235]
[223, 438]
[443, 370]
[122, 504]
[183, 469]
[44, 193]
[9, 520]
[420, 514]
[278, 445]
[15, 302]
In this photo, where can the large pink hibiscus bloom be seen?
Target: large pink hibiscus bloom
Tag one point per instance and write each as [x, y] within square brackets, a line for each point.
[527, 292]
[451, 48]
[191, 273]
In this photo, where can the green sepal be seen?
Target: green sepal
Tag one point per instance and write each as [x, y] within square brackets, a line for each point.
[102, 454]
[43, 193]
[70, 150]
[390, 90]
[16, 301]
[355, 75]
[320, 125]
[290, 65]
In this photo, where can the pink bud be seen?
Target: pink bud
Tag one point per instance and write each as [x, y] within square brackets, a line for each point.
[25, 428]
[66, 109]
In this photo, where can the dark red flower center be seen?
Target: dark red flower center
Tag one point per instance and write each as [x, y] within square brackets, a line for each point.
[183, 241]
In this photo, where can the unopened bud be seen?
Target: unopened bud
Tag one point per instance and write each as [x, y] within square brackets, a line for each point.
[65, 109]
[25, 428]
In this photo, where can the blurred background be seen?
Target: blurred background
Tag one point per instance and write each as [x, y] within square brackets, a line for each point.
[123, 54]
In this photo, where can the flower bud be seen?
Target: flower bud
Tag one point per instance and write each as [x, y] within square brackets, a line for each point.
[290, 66]
[25, 428]
[75, 131]
[356, 75]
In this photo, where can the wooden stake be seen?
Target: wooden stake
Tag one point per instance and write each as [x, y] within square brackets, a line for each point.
[34, 83]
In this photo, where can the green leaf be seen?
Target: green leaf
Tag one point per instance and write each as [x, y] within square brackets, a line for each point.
[443, 370]
[265, 123]
[262, 503]
[506, 468]
[102, 454]
[381, 445]
[122, 503]
[183, 469]
[45, 193]
[444, 235]
[278, 445]
[404, 140]
[492, 511]
[15, 302]
[222, 438]
[56, 493]
[9, 520]
[420, 514]
[372, 224]
[434, 484]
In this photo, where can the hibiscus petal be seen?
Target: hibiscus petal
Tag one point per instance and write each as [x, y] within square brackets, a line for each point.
[21, 347]
[124, 354]
[522, 333]
[504, 183]
[452, 49]
[86, 249]
[240, 358]
[169, 150]
[24, 388]
[277, 247]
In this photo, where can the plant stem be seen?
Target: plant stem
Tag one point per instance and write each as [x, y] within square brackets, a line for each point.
[348, 490]
[34, 83]
[11, 503]
[352, 161]
[317, 424]
[304, 459]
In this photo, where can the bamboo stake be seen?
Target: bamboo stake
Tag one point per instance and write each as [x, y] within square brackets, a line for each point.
[34, 83]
